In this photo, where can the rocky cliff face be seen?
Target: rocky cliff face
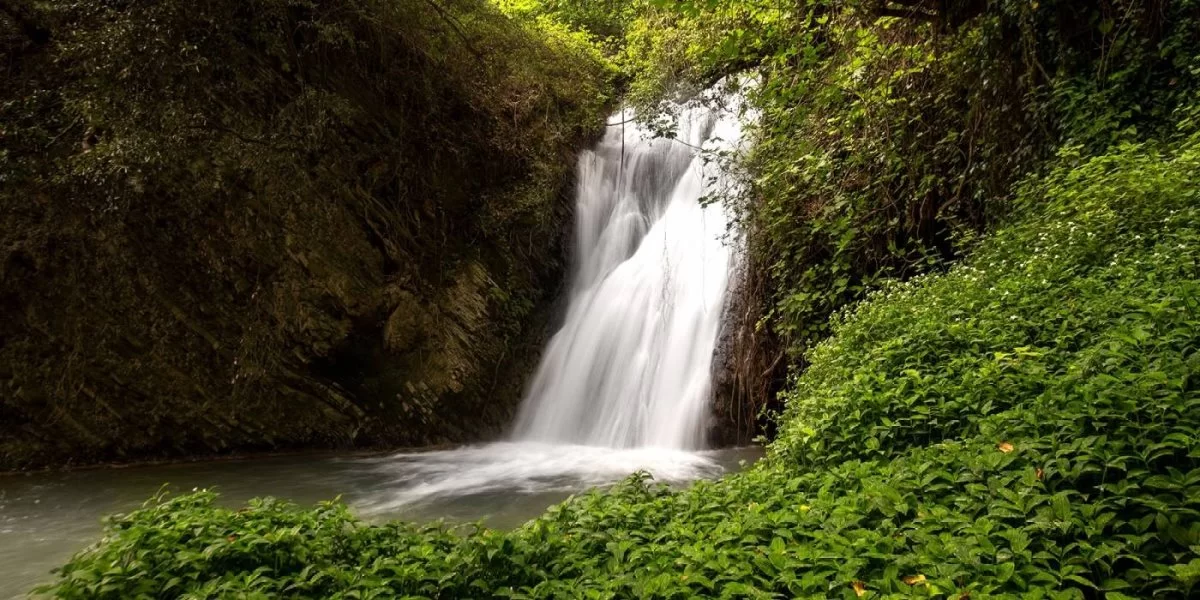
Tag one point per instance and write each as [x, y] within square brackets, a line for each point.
[245, 225]
[749, 365]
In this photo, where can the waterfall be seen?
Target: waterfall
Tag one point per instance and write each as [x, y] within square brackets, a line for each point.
[624, 384]
[631, 365]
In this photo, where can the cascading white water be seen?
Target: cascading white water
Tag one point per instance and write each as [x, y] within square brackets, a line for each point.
[624, 384]
[631, 365]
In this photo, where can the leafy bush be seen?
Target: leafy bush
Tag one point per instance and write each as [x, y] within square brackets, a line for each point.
[601, 23]
[888, 147]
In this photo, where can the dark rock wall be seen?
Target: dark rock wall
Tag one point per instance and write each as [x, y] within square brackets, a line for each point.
[257, 225]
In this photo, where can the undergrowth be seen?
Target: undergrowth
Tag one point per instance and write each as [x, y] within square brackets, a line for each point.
[887, 146]
[1023, 425]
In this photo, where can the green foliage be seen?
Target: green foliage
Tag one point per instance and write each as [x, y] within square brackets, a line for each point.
[270, 548]
[887, 145]
[587, 29]
[1025, 425]
[893, 148]
[605, 20]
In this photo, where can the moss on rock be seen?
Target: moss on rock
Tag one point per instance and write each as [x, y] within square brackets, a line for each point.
[269, 224]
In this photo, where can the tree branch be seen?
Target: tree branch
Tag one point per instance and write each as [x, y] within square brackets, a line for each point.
[906, 13]
[454, 25]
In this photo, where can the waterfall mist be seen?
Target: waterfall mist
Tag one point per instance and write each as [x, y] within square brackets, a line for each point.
[631, 365]
[624, 384]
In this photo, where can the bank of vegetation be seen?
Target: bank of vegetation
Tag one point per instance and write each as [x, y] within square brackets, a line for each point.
[975, 233]
[233, 226]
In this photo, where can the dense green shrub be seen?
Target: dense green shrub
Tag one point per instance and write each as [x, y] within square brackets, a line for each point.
[1023, 425]
[602, 22]
[887, 147]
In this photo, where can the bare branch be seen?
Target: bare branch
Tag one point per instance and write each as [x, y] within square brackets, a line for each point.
[906, 13]
[453, 23]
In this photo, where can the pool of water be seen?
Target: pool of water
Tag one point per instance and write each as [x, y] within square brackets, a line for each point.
[47, 517]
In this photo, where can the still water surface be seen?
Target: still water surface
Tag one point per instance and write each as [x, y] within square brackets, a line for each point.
[47, 517]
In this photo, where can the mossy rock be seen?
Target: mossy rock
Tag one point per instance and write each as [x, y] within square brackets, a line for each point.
[224, 227]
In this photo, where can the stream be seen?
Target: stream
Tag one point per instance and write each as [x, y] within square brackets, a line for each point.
[47, 517]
